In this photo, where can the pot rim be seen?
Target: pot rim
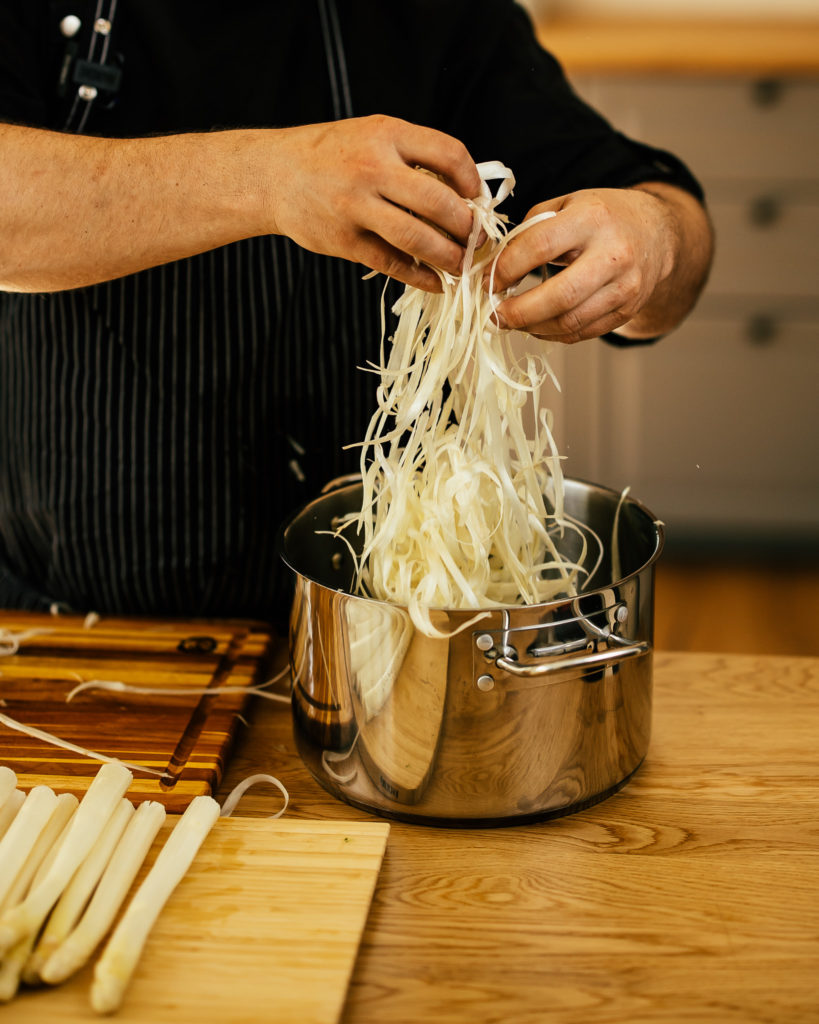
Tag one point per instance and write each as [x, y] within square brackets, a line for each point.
[349, 483]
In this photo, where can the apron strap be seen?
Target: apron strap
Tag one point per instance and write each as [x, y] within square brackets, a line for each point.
[98, 52]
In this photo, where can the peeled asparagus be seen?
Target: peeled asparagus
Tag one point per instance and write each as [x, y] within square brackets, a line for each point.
[64, 807]
[8, 783]
[87, 823]
[74, 899]
[115, 967]
[8, 812]
[21, 837]
[12, 964]
[119, 874]
[65, 870]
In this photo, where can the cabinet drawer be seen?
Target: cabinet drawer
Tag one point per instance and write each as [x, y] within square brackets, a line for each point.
[722, 127]
[708, 430]
[763, 250]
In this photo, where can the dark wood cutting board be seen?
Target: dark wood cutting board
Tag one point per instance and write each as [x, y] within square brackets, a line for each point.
[187, 737]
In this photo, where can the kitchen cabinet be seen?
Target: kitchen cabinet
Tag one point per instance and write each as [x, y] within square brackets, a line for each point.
[716, 428]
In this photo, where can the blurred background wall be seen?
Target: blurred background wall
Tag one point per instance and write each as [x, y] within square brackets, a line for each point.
[653, 9]
[716, 428]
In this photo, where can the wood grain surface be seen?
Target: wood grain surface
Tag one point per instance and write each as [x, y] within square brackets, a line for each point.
[186, 736]
[690, 896]
[264, 927]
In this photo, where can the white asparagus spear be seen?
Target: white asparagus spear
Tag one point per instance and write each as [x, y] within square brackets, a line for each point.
[65, 805]
[8, 812]
[109, 895]
[16, 960]
[17, 844]
[96, 807]
[8, 783]
[116, 965]
[74, 899]
[11, 966]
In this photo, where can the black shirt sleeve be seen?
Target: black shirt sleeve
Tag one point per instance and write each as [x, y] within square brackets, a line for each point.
[26, 63]
[516, 104]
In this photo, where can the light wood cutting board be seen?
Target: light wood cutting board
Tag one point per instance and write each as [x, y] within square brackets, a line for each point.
[265, 927]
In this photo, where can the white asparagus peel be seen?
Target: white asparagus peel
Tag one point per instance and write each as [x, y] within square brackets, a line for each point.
[8, 783]
[10, 640]
[74, 899]
[17, 844]
[13, 963]
[56, 741]
[9, 810]
[115, 967]
[109, 895]
[96, 807]
[462, 507]
[117, 686]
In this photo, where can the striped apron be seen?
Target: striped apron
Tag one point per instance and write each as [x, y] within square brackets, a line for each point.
[156, 429]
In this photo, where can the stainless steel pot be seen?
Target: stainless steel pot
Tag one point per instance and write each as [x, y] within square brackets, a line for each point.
[534, 712]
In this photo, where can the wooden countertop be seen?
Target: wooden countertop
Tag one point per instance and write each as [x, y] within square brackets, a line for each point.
[683, 45]
[691, 895]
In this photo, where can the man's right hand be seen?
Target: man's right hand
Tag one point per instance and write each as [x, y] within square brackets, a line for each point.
[77, 210]
[353, 189]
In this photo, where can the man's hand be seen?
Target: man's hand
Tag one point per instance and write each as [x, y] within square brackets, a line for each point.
[635, 260]
[352, 189]
[77, 210]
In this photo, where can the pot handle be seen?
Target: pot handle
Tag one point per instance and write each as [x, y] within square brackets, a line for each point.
[531, 669]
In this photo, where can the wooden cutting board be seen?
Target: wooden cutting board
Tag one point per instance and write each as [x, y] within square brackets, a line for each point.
[185, 736]
[264, 927]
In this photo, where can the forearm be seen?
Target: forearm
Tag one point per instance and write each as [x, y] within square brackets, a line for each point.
[690, 250]
[76, 210]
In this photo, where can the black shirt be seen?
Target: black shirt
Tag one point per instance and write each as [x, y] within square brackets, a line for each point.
[156, 430]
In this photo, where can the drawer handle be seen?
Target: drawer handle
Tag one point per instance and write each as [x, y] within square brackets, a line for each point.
[762, 329]
[764, 211]
[767, 92]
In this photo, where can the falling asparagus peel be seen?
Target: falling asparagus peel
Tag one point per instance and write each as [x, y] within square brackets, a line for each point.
[119, 874]
[115, 967]
[17, 844]
[96, 807]
[74, 899]
[11, 966]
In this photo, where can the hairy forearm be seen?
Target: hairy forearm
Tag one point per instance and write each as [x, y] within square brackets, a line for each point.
[689, 260]
[77, 210]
